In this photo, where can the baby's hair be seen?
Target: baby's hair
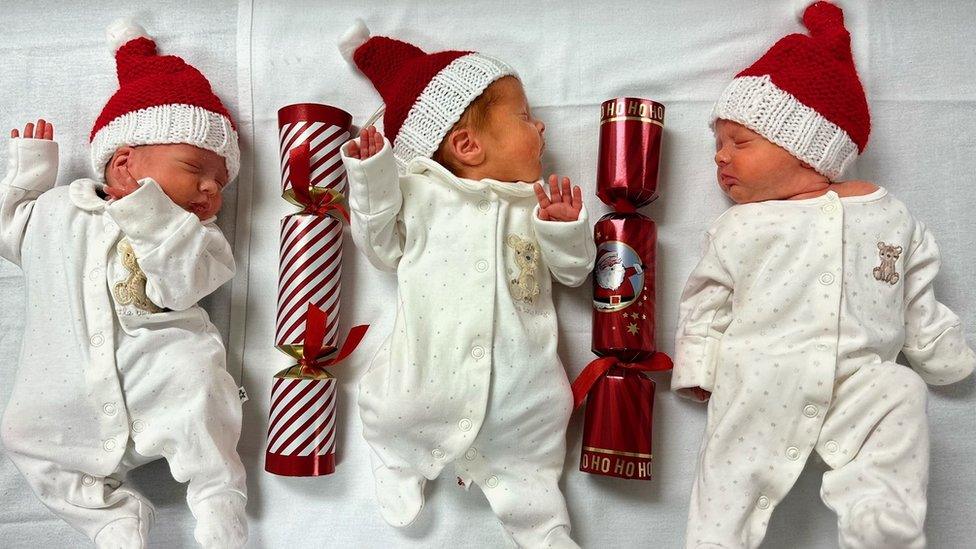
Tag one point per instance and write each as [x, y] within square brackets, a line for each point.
[474, 117]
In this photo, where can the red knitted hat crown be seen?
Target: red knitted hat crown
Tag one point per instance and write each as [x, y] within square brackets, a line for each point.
[425, 94]
[161, 99]
[399, 71]
[804, 94]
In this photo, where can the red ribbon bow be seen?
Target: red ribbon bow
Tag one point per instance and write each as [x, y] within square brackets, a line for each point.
[658, 362]
[316, 322]
[299, 167]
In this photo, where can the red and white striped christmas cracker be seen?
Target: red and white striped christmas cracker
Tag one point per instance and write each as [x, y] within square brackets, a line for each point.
[301, 435]
[302, 425]
[324, 129]
[309, 273]
[302, 421]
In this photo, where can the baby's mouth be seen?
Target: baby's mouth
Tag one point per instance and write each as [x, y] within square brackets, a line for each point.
[201, 209]
[727, 180]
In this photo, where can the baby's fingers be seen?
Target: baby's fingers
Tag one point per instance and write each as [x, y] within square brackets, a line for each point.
[369, 148]
[377, 141]
[364, 142]
[540, 195]
[567, 193]
[41, 130]
[554, 188]
[352, 149]
[577, 198]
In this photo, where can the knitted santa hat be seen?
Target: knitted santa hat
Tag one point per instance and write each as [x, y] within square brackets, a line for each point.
[161, 99]
[425, 94]
[804, 95]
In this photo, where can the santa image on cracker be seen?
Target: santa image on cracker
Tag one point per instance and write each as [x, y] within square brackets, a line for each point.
[615, 288]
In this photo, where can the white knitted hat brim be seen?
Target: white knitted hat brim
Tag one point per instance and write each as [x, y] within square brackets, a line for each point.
[442, 103]
[763, 107]
[168, 124]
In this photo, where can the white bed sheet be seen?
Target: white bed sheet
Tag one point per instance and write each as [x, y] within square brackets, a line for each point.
[571, 55]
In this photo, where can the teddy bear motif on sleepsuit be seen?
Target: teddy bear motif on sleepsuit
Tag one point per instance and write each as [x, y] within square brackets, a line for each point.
[525, 287]
[886, 271]
[132, 290]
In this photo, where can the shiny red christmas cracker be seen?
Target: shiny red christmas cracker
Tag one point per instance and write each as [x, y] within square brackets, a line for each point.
[630, 151]
[623, 286]
[620, 398]
[612, 445]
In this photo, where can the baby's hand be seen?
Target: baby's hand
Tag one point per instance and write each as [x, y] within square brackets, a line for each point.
[43, 130]
[122, 189]
[559, 206]
[370, 143]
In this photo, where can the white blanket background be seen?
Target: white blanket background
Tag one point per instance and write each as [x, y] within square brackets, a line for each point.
[571, 55]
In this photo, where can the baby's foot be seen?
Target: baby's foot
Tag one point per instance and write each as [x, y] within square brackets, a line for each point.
[221, 522]
[558, 538]
[879, 523]
[400, 495]
[124, 533]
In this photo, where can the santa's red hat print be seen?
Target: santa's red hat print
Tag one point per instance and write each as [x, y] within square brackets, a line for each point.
[161, 100]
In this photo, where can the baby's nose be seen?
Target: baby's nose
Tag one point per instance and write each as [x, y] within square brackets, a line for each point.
[541, 125]
[209, 186]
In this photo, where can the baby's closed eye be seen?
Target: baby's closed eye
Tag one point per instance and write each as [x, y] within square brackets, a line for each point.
[190, 167]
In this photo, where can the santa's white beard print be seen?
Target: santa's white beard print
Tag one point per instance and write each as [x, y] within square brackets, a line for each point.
[610, 278]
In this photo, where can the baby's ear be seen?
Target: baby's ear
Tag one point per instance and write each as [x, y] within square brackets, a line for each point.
[121, 156]
[119, 161]
[466, 146]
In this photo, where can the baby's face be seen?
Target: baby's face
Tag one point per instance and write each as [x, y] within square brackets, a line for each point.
[752, 169]
[512, 138]
[191, 177]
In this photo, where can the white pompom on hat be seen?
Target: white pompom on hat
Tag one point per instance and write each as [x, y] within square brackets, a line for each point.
[121, 31]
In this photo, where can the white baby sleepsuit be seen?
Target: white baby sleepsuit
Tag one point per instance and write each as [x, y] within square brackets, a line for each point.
[470, 374]
[793, 320]
[119, 364]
